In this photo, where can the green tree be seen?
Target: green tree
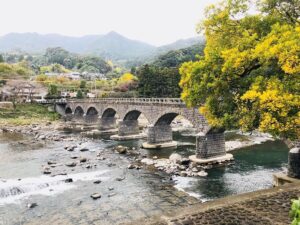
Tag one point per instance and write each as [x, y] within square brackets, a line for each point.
[56, 55]
[79, 94]
[53, 91]
[1, 58]
[82, 84]
[249, 75]
[158, 82]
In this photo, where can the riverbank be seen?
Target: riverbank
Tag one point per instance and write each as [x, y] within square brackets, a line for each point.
[266, 207]
[26, 114]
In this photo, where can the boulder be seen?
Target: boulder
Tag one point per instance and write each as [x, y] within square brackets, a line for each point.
[84, 149]
[175, 158]
[83, 159]
[202, 174]
[32, 205]
[42, 137]
[194, 169]
[111, 194]
[95, 196]
[183, 173]
[71, 148]
[46, 170]
[51, 162]
[97, 181]
[120, 178]
[71, 164]
[121, 149]
[130, 166]
[147, 161]
[68, 180]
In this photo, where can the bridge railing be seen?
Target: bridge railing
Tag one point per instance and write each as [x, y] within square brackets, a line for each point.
[175, 101]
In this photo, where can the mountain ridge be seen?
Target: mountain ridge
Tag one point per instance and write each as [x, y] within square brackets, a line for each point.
[111, 45]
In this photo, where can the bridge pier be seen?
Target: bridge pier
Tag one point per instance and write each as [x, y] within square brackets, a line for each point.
[210, 148]
[107, 123]
[159, 136]
[128, 130]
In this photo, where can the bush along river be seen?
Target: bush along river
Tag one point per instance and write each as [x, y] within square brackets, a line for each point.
[51, 177]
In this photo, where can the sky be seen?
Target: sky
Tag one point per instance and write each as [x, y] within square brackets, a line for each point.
[156, 22]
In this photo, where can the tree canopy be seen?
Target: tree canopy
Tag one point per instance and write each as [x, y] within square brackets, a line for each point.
[161, 77]
[249, 75]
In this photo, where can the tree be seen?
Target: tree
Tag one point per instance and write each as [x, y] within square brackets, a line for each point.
[56, 55]
[82, 84]
[248, 77]
[1, 58]
[79, 94]
[52, 91]
[175, 58]
[158, 82]
[93, 64]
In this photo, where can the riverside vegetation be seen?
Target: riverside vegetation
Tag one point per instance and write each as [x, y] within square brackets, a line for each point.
[26, 114]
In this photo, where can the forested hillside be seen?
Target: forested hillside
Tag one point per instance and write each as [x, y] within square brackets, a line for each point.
[161, 77]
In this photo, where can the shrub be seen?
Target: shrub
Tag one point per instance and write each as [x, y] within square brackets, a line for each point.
[295, 212]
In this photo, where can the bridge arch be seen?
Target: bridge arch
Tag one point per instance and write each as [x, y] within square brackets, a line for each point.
[132, 115]
[78, 112]
[166, 119]
[92, 111]
[109, 112]
[68, 111]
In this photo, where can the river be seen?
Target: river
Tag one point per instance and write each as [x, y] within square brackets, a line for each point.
[126, 195]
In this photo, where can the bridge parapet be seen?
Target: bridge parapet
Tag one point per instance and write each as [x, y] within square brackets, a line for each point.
[164, 101]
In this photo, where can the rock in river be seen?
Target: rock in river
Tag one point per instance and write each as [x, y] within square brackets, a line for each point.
[32, 205]
[68, 180]
[202, 174]
[120, 178]
[46, 170]
[83, 159]
[51, 162]
[95, 196]
[121, 149]
[175, 158]
[84, 149]
[130, 166]
[147, 161]
[71, 164]
[111, 195]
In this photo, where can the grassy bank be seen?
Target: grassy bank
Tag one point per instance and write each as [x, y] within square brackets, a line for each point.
[26, 114]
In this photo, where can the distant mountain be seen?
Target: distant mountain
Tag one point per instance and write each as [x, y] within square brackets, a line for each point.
[116, 46]
[110, 46]
[180, 44]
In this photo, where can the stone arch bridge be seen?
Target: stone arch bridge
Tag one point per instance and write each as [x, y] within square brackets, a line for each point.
[160, 112]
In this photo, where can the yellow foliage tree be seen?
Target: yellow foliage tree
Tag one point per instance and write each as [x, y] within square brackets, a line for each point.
[249, 76]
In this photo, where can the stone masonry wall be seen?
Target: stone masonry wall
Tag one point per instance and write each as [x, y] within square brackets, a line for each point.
[107, 123]
[210, 145]
[159, 134]
[128, 127]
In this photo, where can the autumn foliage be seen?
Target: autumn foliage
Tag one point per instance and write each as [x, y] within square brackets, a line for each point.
[249, 76]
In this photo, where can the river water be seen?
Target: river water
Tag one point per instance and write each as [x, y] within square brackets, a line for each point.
[126, 194]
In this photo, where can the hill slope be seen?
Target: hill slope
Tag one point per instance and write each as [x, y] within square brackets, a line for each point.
[111, 45]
